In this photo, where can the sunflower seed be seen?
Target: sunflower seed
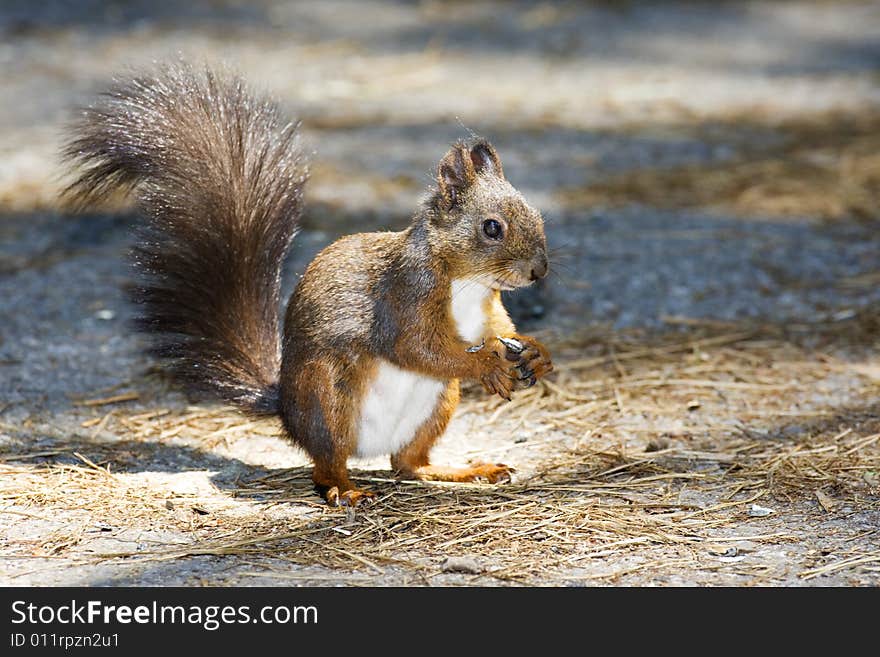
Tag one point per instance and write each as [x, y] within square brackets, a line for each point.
[512, 345]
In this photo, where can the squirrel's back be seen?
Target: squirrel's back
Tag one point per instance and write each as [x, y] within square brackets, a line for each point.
[219, 174]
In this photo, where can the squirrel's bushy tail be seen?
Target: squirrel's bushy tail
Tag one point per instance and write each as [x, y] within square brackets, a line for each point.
[219, 175]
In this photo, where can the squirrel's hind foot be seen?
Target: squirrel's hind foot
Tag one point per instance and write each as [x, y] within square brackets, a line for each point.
[492, 473]
[349, 498]
[336, 489]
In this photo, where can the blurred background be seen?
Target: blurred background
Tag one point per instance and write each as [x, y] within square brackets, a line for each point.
[688, 156]
[709, 173]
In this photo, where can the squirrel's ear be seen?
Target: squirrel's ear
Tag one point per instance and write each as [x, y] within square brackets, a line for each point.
[485, 159]
[455, 174]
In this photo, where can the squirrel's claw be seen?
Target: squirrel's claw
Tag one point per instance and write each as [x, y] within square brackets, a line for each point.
[350, 498]
[525, 372]
[491, 473]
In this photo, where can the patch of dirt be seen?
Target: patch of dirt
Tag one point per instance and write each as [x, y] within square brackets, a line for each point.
[695, 457]
[826, 167]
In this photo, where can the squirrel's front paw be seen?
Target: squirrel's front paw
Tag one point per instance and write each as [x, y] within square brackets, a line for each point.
[500, 379]
[530, 358]
[497, 374]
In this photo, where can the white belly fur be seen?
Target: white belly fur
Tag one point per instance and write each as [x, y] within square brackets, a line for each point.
[468, 308]
[396, 405]
[398, 401]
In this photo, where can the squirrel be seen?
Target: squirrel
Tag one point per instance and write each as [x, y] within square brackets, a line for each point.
[381, 327]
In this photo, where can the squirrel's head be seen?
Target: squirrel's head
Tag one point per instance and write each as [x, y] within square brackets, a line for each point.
[490, 233]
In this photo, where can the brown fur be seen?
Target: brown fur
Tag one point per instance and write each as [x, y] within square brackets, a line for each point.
[220, 179]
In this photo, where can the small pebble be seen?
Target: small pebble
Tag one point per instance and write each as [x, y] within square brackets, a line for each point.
[729, 552]
[756, 511]
[467, 565]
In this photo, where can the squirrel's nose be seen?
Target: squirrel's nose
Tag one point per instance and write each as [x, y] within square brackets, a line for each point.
[539, 268]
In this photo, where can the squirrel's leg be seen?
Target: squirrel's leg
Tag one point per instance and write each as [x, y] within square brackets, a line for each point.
[412, 462]
[316, 415]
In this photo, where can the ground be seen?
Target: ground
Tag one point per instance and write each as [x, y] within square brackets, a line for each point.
[710, 178]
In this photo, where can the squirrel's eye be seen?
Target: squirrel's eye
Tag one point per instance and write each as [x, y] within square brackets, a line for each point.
[493, 229]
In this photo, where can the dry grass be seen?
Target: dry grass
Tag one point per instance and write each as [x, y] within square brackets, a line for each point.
[825, 166]
[646, 454]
